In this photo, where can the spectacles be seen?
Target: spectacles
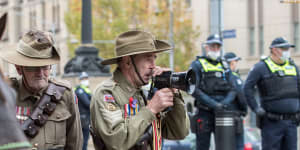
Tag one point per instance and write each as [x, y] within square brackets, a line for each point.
[35, 69]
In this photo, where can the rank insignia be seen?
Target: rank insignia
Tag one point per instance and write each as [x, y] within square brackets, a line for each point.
[109, 98]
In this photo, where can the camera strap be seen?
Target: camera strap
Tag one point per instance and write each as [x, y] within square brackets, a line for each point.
[136, 71]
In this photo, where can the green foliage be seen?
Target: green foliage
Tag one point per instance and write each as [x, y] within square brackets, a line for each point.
[112, 17]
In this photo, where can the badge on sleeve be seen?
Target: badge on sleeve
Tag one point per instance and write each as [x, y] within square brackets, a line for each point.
[111, 107]
[109, 98]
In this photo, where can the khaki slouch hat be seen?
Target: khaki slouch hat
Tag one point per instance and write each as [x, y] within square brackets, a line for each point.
[136, 42]
[35, 48]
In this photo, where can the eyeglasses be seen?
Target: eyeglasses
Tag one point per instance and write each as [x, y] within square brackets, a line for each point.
[35, 69]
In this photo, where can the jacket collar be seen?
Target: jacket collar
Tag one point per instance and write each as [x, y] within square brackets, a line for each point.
[122, 81]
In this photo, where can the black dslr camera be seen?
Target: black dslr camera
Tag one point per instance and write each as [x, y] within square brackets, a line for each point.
[185, 81]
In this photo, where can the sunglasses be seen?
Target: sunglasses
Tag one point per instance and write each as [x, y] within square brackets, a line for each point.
[35, 69]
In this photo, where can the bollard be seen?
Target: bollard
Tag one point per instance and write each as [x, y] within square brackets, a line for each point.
[225, 130]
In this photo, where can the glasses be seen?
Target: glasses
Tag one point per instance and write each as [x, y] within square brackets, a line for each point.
[35, 69]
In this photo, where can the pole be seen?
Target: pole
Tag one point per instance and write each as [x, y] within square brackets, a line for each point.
[171, 35]
[220, 24]
[86, 22]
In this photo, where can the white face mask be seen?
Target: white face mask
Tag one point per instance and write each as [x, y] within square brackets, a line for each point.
[285, 55]
[214, 55]
[85, 82]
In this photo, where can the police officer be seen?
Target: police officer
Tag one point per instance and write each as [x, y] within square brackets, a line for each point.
[83, 94]
[214, 92]
[239, 105]
[120, 114]
[277, 80]
[45, 107]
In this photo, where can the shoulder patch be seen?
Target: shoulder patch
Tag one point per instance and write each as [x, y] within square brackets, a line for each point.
[111, 107]
[109, 83]
[61, 82]
[108, 98]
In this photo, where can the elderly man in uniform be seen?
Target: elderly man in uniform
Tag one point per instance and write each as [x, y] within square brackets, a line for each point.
[12, 137]
[277, 80]
[46, 107]
[121, 116]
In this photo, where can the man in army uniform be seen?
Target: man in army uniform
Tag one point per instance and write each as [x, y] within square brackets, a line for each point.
[120, 114]
[12, 137]
[277, 80]
[46, 107]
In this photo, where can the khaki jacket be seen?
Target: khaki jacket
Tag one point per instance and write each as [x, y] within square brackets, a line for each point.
[63, 129]
[120, 133]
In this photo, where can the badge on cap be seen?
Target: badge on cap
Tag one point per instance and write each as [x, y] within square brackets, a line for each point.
[109, 98]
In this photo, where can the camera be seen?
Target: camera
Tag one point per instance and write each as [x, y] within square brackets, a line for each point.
[185, 81]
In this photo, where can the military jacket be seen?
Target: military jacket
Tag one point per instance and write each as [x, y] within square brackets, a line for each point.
[63, 128]
[119, 127]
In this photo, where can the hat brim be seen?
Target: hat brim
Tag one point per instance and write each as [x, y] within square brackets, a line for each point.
[283, 46]
[214, 42]
[234, 58]
[13, 57]
[160, 47]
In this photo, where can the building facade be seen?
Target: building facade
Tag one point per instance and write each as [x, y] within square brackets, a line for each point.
[255, 22]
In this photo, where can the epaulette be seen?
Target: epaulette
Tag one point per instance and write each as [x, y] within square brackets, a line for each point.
[60, 82]
[109, 84]
[263, 58]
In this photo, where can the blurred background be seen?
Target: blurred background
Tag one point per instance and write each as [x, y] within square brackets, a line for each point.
[247, 28]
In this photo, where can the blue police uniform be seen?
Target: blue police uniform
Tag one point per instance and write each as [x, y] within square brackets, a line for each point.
[279, 97]
[83, 94]
[239, 105]
[213, 93]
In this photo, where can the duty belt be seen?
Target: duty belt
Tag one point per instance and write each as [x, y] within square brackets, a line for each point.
[275, 116]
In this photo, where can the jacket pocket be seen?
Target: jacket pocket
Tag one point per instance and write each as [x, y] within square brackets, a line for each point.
[55, 128]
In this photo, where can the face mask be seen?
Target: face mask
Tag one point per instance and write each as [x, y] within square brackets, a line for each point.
[84, 82]
[213, 55]
[285, 55]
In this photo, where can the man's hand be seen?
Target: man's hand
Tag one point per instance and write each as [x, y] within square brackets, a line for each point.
[159, 70]
[161, 100]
